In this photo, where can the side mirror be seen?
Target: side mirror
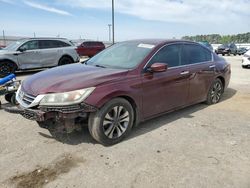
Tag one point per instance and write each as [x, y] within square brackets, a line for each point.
[158, 67]
[22, 49]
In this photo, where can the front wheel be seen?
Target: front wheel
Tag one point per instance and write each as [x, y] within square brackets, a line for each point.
[215, 92]
[112, 122]
[7, 68]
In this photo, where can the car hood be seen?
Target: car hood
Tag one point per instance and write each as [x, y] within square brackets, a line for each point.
[70, 78]
[6, 52]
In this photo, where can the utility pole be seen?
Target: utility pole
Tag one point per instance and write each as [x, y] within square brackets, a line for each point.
[4, 39]
[113, 23]
[109, 32]
[34, 35]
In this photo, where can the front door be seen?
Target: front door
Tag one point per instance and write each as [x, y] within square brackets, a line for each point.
[29, 56]
[168, 90]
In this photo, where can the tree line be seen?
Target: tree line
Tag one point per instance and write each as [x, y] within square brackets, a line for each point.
[218, 39]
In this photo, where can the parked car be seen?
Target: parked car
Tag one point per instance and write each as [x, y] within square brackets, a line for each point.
[2, 47]
[206, 44]
[123, 85]
[90, 48]
[246, 60]
[241, 51]
[36, 53]
[228, 49]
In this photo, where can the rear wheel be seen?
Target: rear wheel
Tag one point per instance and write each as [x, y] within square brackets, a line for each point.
[65, 61]
[112, 122]
[6, 68]
[244, 66]
[215, 92]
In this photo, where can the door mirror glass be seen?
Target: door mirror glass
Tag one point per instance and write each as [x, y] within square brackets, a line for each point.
[158, 67]
[22, 49]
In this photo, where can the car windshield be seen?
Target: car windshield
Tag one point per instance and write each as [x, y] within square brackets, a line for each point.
[124, 55]
[14, 45]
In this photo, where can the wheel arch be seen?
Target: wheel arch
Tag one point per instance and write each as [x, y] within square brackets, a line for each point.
[11, 61]
[66, 55]
[125, 96]
[135, 107]
[222, 79]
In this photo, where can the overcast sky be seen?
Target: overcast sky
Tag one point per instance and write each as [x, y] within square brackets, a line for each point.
[133, 18]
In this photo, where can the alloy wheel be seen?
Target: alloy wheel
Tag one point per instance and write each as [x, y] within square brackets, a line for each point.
[5, 69]
[116, 122]
[216, 92]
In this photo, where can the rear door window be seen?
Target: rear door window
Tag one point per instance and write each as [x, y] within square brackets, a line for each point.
[193, 53]
[169, 54]
[46, 44]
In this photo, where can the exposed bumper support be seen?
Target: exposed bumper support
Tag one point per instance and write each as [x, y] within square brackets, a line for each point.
[56, 112]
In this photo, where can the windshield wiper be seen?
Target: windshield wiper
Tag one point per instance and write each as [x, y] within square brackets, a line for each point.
[100, 66]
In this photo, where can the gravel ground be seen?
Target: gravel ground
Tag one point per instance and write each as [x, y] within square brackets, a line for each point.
[199, 146]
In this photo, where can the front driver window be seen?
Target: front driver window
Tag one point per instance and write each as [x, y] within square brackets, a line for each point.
[169, 55]
[31, 45]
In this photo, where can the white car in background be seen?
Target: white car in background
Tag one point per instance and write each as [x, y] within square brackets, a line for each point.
[36, 53]
[246, 60]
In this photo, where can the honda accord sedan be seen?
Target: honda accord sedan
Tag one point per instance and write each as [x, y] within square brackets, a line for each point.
[127, 83]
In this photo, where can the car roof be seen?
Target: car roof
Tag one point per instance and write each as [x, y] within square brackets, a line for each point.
[45, 38]
[158, 41]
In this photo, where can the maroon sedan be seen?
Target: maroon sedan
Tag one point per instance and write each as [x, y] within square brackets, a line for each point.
[125, 84]
[90, 48]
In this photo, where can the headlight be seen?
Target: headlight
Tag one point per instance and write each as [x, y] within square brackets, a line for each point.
[67, 98]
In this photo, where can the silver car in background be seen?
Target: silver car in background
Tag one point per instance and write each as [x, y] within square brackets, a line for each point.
[36, 53]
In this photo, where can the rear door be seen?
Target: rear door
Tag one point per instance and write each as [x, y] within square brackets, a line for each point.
[164, 91]
[49, 53]
[201, 67]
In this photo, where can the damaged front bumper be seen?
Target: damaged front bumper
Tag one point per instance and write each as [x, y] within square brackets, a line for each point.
[43, 113]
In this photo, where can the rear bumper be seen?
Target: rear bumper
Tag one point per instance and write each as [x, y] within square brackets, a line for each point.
[222, 51]
[44, 113]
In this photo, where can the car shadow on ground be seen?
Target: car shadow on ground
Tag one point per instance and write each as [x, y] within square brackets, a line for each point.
[28, 72]
[163, 120]
[83, 136]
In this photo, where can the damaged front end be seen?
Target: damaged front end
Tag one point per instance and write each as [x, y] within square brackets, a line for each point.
[59, 118]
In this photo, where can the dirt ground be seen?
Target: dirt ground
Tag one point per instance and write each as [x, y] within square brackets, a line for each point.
[199, 146]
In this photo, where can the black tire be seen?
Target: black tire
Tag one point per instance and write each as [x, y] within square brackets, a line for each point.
[223, 54]
[65, 61]
[244, 66]
[215, 92]
[119, 116]
[6, 68]
[11, 98]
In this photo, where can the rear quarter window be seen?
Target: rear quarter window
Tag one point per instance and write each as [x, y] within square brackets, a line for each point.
[193, 53]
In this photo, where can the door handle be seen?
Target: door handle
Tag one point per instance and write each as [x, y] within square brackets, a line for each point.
[184, 73]
[212, 66]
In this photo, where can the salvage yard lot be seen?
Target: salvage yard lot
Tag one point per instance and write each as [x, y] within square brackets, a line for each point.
[199, 146]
